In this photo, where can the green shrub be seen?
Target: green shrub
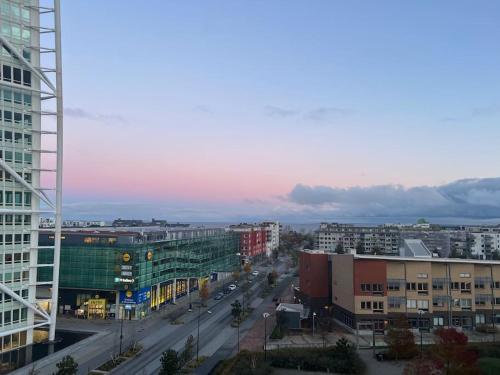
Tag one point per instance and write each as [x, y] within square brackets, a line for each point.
[341, 358]
[277, 333]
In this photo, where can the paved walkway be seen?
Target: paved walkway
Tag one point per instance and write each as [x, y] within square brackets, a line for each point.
[374, 367]
[99, 348]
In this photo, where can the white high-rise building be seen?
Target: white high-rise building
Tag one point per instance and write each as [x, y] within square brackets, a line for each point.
[30, 165]
[272, 236]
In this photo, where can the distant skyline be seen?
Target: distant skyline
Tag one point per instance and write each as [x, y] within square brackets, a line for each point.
[303, 111]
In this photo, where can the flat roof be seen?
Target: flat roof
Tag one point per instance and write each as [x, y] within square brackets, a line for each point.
[436, 260]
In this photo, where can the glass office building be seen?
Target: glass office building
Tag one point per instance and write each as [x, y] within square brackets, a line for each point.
[127, 272]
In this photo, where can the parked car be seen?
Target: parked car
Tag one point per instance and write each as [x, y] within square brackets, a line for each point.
[255, 273]
[231, 287]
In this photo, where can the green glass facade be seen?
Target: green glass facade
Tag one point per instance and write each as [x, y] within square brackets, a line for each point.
[104, 263]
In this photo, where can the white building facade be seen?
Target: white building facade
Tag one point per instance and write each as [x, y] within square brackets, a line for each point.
[30, 93]
[485, 243]
[272, 236]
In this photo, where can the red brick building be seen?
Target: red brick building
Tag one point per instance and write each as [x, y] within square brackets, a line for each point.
[314, 279]
[252, 239]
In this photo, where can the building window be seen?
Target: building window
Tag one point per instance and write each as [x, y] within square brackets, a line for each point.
[366, 287]
[438, 321]
[411, 303]
[393, 285]
[378, 306]
[465, 287]
[438, 284]
[411, 286]
[439, 301]
[465, 303]
[480, 319]
[423, 288]
[423, 305]
[479, 283]
[396, 302]
[366, 305]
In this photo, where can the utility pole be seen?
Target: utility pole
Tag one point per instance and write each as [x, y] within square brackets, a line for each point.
[265, 315]
[314, 316]
[198, 338]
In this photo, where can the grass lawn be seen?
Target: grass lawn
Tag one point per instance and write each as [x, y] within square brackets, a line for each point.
[489, 365]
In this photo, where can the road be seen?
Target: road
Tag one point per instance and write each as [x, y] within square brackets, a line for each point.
[215, 332]
[155, 334]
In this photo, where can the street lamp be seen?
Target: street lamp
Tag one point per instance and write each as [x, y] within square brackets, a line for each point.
[314, 316]
[420, 313]
[265, 315]
[121, 334]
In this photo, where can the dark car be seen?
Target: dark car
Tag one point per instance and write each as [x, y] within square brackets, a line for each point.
[219, 296]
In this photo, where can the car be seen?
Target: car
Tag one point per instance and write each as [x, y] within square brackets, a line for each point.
[231, 287]
[219, 296]
[255, 273]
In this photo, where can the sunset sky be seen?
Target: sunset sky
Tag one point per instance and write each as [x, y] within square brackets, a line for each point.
[297, 110]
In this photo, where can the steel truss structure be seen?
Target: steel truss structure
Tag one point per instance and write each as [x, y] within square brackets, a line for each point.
[46, 70]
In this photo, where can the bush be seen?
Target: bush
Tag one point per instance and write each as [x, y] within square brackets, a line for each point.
[245, 363]
[67, 366]
[277, 333]
[342, 358]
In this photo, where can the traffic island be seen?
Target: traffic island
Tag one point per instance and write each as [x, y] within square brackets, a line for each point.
[110, 365]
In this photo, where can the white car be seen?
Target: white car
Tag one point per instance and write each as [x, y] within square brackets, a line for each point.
[255, 273]
[231, 287]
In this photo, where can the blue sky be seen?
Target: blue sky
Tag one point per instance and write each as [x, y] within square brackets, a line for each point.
[234, 105]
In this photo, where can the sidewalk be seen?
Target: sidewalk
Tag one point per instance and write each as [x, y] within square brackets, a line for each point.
[98, 348]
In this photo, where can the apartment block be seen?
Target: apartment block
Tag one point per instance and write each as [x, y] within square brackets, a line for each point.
[252, 239]
[272, 229]
[383, 239]
[373, 290]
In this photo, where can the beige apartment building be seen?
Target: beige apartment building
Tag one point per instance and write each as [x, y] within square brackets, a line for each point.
[431, 292]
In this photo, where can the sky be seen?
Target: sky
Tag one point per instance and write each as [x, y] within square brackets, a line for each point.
[296, 110]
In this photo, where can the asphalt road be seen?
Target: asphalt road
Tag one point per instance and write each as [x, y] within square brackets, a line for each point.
[215, 331]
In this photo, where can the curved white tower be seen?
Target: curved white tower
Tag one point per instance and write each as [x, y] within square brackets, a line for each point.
[31, 119]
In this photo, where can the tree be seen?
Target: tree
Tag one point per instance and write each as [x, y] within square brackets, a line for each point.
[360, 248]
[400, 340]
[339, 249]
[67, 366]
[169, 362]
[271, 277]
[247, 268]
[451, 354]
[422, 221]
[236, 275]
[236, 309]
[275, 255]
[377, 250]
[421, 367]
[187, 352]
[204, 293]
[246, 288]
